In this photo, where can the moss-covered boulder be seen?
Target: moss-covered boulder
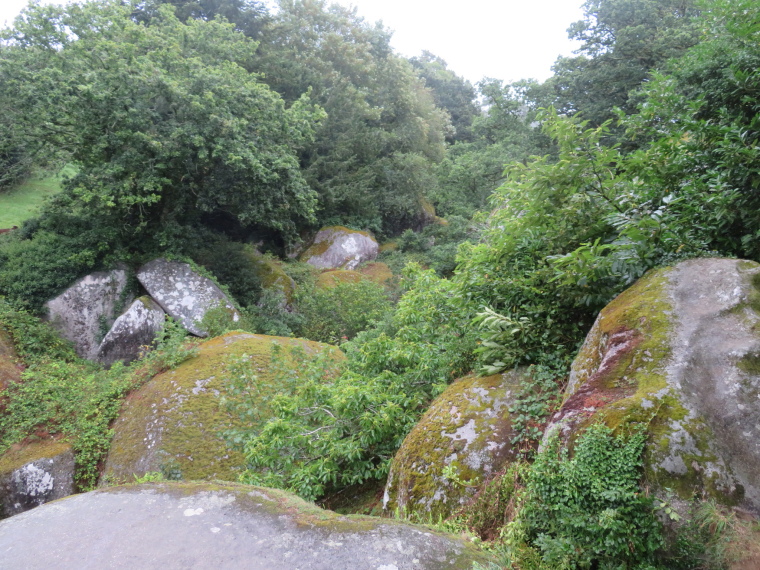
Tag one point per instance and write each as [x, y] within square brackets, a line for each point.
[33, 474]
[337, 247]
[378, 272]
[173, 424]
[202, 525]
[677, 355]
[466, 431]
[272, 275]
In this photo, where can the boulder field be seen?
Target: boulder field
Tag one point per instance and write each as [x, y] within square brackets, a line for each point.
[678, 354]
[226, 526]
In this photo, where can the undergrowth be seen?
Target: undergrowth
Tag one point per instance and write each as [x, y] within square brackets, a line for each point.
[62, 395]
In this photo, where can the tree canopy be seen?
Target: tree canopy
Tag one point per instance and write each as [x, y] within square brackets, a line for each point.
[163, 121]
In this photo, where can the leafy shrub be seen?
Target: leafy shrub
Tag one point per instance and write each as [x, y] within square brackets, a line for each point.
[587, 510]
[340, 312]
[62, 394]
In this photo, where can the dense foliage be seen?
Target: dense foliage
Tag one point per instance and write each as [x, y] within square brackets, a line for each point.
[191, 138]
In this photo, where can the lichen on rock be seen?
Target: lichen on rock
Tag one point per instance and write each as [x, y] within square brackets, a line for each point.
[134, 330]
[173, 423]
[468, 430]
[674, 355]
[33, 474]
[184, 294]
[337, 247]
[208, 525]
[84, 312]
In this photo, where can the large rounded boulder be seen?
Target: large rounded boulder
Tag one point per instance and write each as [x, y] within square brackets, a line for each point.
[677, 355]
[196, 525]
[337, 247]
[174, 424]
[463, 439]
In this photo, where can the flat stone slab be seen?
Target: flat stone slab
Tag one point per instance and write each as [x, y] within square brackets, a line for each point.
[182, 293]
[194, 525]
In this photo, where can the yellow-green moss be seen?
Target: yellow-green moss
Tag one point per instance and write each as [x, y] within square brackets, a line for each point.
[330, 279]
[20, 455]
[416, 483]
[388, 247]
[271, 274]
[378, 272]
[179, 412]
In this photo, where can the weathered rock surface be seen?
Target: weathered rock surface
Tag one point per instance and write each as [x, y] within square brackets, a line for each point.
[34, 474]
[182, 293]
[217, 526]
[133, 330]
[173, 423]
[468, 428]
[337, 247]
[678, 353]
[84, 312]
[10, 365]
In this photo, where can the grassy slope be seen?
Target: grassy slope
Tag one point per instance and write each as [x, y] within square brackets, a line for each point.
[22, 202]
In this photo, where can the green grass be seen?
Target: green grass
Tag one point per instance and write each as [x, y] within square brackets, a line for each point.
[23, 201]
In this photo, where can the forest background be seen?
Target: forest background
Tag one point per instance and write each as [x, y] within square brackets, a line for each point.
[197, 130]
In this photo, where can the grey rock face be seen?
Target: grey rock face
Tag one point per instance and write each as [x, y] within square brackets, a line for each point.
[182, 293]
[134, 329]
[87, 309]
[678, 353]
[40, 480]
[340, 248]
[211, 526]
[466, 428]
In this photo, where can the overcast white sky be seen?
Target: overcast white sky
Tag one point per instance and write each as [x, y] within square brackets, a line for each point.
[504, 39]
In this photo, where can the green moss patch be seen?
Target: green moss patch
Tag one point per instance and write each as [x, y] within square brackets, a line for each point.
[330, 279]
[271, 274]
[173, 424]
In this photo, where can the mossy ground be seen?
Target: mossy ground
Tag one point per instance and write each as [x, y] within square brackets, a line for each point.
[478, 407]
[271, 274]
[330, 279]
[174, 422]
